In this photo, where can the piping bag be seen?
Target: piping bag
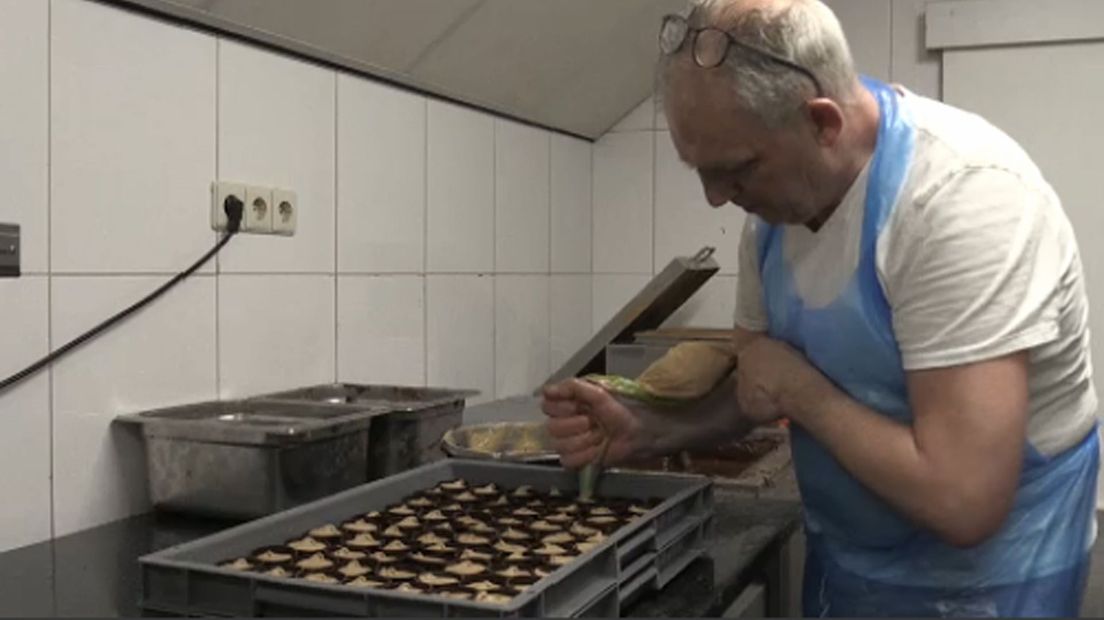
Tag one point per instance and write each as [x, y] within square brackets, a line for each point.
[687, 372]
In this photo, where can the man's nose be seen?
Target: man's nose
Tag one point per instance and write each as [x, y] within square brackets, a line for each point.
[718, 194]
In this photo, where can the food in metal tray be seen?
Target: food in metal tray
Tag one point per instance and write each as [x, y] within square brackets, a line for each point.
[458, 540]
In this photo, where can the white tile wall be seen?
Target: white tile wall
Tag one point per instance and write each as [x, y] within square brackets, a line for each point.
[275, 331]
[460, 328]
[623, 207]
[133, 146]
[118, 125]
[570, 316]
[276, 128]
[521, 198]
[26, 414]
[24, 124]
[684, 221]
[381, 188]
[163, 356]
[521, 334]
[571, 205]
[460, 218]
[381, 329]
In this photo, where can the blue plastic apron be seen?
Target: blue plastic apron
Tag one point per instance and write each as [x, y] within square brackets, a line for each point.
[865, 558]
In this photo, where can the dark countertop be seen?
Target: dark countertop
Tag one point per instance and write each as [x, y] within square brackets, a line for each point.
[96, 573]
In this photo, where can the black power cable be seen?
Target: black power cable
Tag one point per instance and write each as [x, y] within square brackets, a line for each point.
[233, 207]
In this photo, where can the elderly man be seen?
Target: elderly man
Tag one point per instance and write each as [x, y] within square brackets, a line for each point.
[910, 296]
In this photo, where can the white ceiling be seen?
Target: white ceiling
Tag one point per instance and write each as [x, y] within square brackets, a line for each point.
[574, 65]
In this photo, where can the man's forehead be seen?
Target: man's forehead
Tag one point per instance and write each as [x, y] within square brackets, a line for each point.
[713, 154]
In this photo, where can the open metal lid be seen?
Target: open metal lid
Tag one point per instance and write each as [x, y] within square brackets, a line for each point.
[653, 305]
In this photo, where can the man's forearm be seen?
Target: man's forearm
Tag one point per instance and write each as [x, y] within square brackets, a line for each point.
[886, 457]
[705, 423]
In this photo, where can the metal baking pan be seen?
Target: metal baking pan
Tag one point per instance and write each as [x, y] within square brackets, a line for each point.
[244, 459]
[748, 465]
[522, 442]
[408, 421]
[640, 557]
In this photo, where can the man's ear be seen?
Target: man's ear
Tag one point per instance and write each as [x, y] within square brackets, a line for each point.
[827, 119]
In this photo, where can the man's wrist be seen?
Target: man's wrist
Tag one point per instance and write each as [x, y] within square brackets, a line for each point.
[806, 403]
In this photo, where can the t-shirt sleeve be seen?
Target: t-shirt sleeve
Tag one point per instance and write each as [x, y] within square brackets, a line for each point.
[972, 270]
[750, 312]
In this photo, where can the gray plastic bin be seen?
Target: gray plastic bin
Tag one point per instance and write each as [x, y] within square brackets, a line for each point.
[639, 557]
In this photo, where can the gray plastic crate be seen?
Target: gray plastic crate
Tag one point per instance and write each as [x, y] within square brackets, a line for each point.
[642, 556]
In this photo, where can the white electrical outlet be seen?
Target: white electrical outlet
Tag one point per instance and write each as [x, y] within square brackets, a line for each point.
[220, 191]
[265, 211]
[285, 211]
[258, 210]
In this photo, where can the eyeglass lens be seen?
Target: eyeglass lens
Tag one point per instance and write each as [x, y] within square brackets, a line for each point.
[673, 34]
[710, 48]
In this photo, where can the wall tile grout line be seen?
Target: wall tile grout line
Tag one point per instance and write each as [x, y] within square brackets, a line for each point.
[50, 252]
[218, 258]
[655, 199]
[593, 237]
[425, 241]
[548, 282]
[336, 228]
[591, 147]
[494, 261]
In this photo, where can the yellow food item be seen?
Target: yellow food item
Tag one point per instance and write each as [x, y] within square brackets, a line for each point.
[272, 557]
[315, 562]
[241, 564]
[689, 370]
[354, 569]
[432, 580]
[307, 545]
[365, 541]
[466, 568]
[326, 531]
[360, 526]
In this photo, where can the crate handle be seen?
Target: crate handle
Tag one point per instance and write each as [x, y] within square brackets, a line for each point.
[307, 600]
[649, 576]
[644, 537]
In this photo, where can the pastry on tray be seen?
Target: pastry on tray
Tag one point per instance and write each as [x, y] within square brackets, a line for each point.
[459, 541]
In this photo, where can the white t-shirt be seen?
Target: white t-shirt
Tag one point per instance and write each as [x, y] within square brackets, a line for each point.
[977, 261]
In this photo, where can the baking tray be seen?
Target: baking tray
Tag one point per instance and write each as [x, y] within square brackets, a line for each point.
[408, 422]
[241, 459]
[642, 556]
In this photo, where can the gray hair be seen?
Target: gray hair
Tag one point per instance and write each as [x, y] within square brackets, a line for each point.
[806, 32]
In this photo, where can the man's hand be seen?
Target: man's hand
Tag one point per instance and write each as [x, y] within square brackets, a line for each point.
[581, 416]
[773, 380]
